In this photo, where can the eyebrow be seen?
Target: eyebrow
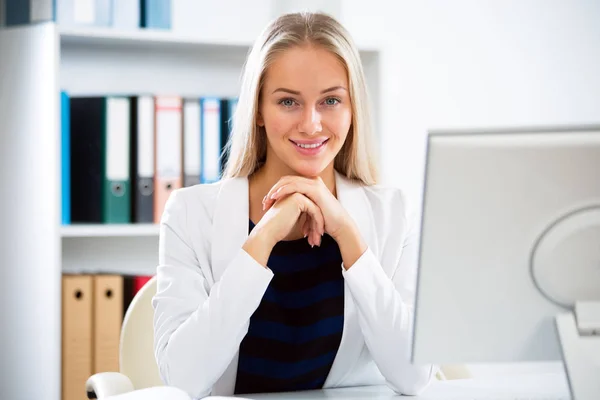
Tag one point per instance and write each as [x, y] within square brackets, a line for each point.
[295, 92]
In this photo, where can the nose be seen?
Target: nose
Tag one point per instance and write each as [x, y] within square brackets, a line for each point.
[310, 122]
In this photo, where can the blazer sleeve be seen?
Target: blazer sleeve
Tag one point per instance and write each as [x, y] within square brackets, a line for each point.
[386, 304]
[197, 328]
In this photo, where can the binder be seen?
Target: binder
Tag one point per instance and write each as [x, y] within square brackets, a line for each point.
[87, 120]
[64, 159]
[84, 12]
[77, 356]
[108, 317]
[117, 183]
[227, 112]
[23, 12]
[156, 14]
[210, 114]
[126, 14]
[191, 142]
[168, 150]
[2, 13]
[142, 159]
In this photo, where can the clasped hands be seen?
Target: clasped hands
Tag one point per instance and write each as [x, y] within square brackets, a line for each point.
[324, 213]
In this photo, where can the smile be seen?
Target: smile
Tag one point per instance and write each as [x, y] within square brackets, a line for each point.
[311, 145]
[310, 149]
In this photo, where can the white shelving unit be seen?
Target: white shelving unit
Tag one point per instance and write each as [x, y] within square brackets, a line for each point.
[108, 230]
[104, 61]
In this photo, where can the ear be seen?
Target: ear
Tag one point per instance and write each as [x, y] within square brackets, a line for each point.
[259, 120]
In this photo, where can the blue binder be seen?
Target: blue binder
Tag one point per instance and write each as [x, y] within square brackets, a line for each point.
[65, 149]
[156, 14]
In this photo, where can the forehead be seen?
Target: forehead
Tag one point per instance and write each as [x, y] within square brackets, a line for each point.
[306, 69]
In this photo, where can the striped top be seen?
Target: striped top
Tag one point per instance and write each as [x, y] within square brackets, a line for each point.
[296, 330]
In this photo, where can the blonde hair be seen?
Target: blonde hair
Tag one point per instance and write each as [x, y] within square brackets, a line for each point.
[247, 146]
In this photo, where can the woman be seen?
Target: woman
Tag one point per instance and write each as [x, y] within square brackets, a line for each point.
[295, 271]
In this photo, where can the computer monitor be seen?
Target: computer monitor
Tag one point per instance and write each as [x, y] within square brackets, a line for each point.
[509, 239]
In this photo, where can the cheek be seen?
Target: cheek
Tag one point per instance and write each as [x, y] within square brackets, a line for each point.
[340, 124]
[278, 123]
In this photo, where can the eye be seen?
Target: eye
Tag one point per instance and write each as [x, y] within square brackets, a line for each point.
[331, 101]
[287, 102]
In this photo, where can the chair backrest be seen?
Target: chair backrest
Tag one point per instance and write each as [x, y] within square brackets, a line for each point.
[136, 355]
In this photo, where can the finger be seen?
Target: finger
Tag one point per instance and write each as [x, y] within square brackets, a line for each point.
[283, 181]
[315, 214]
[283, 189]
[306, 226]
[294, 187]
[316, 236]
[268, 203]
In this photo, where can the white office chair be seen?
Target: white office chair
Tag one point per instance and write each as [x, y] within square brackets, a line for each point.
[138, 370]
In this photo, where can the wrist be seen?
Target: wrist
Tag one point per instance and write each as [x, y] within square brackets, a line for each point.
[346, 232]
[259, 245]
[351, 244]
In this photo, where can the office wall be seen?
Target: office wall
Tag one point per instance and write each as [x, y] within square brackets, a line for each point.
[480, 63]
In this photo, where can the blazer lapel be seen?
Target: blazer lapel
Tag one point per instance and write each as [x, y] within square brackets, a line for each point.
[230, 223]
[354, 200]
[230, 230]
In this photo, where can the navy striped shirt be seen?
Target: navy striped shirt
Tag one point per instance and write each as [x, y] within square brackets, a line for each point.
[295, 332]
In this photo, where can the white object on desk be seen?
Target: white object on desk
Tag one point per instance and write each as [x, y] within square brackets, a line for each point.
[579, 334]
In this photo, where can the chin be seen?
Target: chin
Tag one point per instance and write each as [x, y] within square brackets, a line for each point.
[308, 171]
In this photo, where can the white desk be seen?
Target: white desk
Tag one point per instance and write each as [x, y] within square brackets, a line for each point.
[550, 386]
[543, 386]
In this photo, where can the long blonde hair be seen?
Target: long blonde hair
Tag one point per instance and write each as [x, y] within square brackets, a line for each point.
[247, 146]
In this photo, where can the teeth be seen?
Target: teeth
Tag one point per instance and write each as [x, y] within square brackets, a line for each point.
[309, 146]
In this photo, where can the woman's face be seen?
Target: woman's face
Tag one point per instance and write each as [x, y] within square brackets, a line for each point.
[305, 109]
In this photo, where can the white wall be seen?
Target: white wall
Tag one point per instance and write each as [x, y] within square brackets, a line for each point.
[484, 63]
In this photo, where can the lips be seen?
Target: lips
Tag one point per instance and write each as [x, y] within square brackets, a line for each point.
[312, 148]
[309, 144]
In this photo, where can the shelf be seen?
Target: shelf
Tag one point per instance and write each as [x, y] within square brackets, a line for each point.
[109, 36]
[94, 36]
[109, 230]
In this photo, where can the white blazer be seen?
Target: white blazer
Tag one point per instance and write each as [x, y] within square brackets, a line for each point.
[208, 287]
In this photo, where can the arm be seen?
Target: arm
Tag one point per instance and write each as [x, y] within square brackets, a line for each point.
[198, 329]
[385, 306]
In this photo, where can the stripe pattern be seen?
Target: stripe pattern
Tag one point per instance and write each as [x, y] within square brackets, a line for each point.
[295, 332]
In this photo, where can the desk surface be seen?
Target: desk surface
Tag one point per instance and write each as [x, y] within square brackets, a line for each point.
[549, 386]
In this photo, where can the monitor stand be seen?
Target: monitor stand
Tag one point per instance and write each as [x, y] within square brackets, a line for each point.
[579, 335]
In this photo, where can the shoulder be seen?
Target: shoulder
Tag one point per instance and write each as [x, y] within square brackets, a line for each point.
[201, 194]
[394, 219]
[196, 202]
[387, 201]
